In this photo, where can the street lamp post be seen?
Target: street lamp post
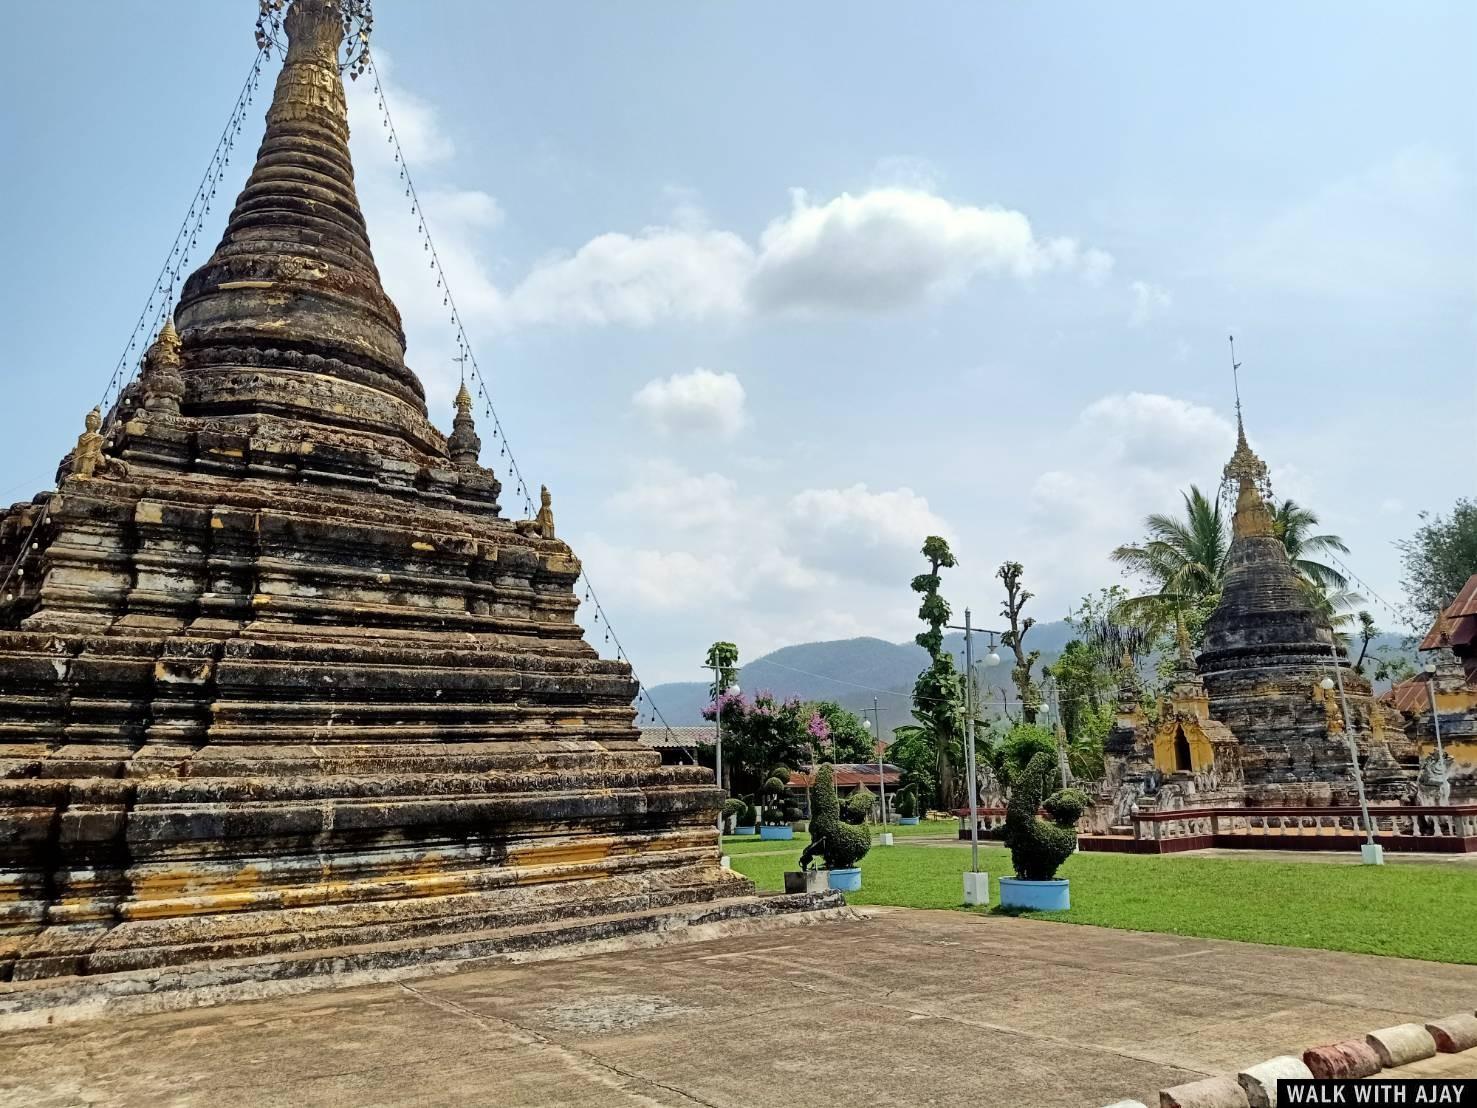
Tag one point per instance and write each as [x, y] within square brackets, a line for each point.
[875, 724]
[976, 884]
[1372, 853]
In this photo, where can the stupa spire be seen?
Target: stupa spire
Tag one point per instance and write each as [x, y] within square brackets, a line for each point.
[464, 445]
[289, 317]
[1246, 474]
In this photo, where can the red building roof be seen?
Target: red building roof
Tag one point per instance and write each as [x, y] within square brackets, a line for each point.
[1457, 624]
[849, 775]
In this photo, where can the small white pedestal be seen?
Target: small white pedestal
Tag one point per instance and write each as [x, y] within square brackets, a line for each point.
[977, 889]
[723, 861]
[887, 838]
[1373, 854]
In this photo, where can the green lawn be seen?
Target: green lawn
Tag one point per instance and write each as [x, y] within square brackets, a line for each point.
[1411, 911]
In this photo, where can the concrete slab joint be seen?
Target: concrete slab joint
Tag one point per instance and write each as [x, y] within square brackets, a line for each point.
[1401, 1045]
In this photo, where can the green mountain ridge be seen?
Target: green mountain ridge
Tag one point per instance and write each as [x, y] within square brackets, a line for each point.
[854, 671]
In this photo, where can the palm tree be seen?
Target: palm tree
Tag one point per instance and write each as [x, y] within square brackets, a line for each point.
[1185, 558]
[1293, 524]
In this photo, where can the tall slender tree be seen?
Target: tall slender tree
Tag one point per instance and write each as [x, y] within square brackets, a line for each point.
[1016, 596]
[936, 693]
[722, 661]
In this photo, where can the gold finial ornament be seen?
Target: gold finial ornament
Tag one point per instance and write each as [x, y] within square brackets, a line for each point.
[464, 400]
[1244, 465]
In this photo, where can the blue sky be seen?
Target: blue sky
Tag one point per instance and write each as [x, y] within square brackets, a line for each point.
[767, 292]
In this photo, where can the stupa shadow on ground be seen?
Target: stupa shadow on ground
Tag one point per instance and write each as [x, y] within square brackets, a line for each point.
[906, 1006]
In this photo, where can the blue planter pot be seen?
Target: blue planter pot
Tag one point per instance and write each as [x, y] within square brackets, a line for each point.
[844, 880]
[907, 821]
[776, 831]
[745, 831]
[1035, 896]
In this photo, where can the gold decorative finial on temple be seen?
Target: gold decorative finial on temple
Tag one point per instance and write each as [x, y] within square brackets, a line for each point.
[1247, 474]
[463, 400]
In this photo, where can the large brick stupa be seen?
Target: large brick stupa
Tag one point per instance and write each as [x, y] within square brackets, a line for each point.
[276, 676]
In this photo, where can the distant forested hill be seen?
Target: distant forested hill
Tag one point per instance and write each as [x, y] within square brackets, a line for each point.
[853, 671]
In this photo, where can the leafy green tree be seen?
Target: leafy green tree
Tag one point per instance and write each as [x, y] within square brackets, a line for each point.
[846, 738]
[1009, 756]
[759, 734]
[1438, 559]
[724, 656]
[1016, 597]
[937, 692]
[1080, 685]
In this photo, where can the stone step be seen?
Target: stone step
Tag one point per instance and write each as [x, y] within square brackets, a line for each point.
[55, 1000]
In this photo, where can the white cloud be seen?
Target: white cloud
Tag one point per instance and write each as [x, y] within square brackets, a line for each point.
[768, 568]
[637, 280]
[455, 217]
[1153, 431]
[1402, 227]
[884, 249]
[857, 532]
[700, 402]
[1149, 302]
[417, 123]
[892, 247]
[682, 501]
[1134, 453]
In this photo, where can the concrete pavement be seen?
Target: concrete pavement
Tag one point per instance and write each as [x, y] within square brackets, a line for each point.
[905, 1007]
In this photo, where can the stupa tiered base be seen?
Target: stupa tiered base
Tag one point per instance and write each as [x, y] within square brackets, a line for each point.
[250, 712]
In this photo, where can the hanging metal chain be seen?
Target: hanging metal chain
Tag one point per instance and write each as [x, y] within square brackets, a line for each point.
[466, 358]
[162, 295]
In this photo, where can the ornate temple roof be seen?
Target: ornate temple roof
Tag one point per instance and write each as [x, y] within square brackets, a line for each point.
[288, 318]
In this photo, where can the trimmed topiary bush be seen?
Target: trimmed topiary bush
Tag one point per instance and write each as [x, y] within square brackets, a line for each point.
[1037, 847]
[733, 812]
[857, 808]
[907, 804]
[840, 844]
[780, 805]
